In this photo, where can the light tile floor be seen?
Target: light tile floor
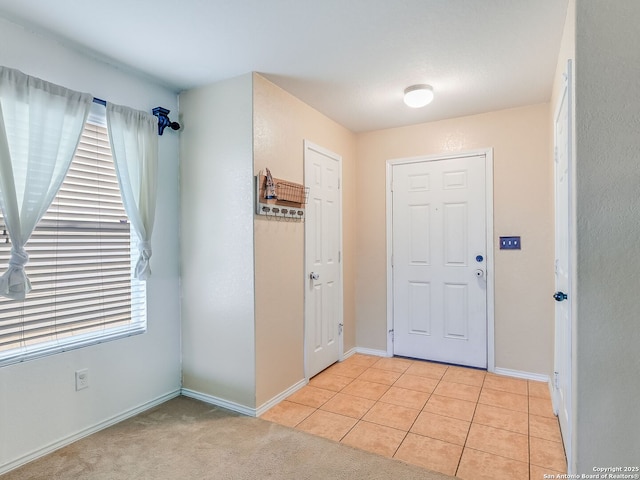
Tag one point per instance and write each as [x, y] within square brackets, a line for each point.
[454, 420]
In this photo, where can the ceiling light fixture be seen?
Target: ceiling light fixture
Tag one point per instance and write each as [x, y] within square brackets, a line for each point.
[417, 96]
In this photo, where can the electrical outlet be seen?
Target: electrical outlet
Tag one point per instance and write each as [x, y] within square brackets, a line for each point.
[82, 379]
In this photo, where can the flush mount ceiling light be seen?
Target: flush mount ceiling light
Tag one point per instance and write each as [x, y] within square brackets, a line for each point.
[417, 96]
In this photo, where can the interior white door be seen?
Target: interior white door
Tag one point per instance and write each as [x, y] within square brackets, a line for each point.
[323, 272]
[439, 260]
[562, 359]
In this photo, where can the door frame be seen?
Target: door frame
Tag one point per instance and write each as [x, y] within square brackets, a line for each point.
[488, 154]
[307, 145]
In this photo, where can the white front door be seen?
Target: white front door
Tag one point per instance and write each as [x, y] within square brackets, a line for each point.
[562, 361]
[323, 271]
[439, 260]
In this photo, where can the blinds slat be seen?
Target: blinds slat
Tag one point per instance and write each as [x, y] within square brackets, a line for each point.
[102, 325]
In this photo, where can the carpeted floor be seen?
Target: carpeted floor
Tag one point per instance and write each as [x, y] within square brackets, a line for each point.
[187, 439]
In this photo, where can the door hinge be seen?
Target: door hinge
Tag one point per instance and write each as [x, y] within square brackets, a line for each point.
[340, 328]
[339, 256]
[338, 184]
[556, 380]
[392, 260]
[391, 333]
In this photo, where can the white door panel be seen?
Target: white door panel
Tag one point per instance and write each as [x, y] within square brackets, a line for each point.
[439, 228]
[323, 292]
[562, 362]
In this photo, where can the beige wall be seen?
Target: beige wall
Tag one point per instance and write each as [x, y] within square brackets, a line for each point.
[523, 205]
[281, 124]
[216, 166]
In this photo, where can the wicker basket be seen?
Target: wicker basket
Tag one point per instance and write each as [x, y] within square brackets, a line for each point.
[292, 192]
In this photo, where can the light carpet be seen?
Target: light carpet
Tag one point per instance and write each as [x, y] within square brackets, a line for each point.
[188, 439]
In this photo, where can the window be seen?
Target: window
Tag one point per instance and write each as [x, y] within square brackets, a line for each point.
[81, 259]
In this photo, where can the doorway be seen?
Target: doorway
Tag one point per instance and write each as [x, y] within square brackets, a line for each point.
[440, 265]
[323, 259]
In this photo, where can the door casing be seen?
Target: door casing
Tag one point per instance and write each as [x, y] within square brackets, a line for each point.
[488, 154]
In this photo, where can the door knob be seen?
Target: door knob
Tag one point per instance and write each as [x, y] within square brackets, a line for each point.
[560, 296]
[314, 276]
[479, 273]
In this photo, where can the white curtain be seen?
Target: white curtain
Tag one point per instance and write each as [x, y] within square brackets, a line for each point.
[40, 127]
[134, 145]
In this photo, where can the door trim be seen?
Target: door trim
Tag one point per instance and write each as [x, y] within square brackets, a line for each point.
[307, 145]
[488, 154]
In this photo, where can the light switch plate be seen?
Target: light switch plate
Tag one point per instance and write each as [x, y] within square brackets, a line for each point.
[510, 243]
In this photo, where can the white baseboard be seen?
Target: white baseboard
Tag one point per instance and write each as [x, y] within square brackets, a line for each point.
[86, 432]
[219, 402]
[243, 409]
[538, 377]
[371, 351]
[348, 353]
[281, 396]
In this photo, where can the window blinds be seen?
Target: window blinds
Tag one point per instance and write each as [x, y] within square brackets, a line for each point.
[80, 264]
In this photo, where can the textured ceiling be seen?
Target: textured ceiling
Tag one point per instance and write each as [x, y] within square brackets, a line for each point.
[350, 59]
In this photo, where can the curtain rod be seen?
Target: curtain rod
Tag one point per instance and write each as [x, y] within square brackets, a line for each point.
[160, 112]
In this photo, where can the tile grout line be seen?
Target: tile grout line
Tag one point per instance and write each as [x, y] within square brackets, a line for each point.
[464, 446]
[528, 463]
[361, 418]
[419, 412]
[358, 420]
[378, 401]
